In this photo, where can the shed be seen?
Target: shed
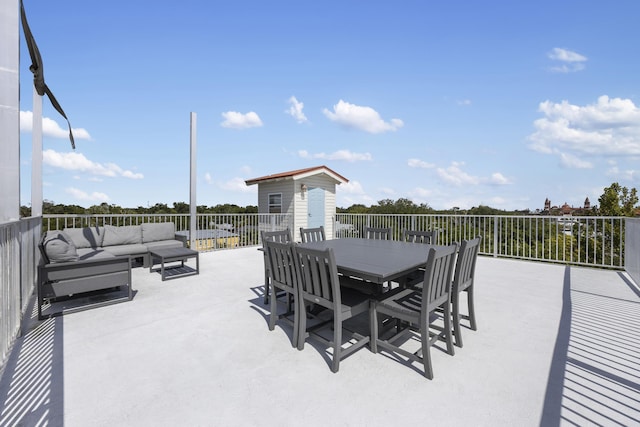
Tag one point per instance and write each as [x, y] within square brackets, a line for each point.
[309, 195]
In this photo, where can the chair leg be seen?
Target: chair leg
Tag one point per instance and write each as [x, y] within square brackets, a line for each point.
[274, 311]
[448, 329]
[456, 319]
[296, 324]
[426, 352]
[373, 327]
[337, 344]
[266, 288]
[302, 323]
[472, 311]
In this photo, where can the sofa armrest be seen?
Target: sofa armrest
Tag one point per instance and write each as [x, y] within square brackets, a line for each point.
[84, 268]
[76, 277]
[182, 238]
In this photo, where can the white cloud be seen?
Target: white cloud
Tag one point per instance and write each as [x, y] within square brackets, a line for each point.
[50, 127]
[235, 120]
[351, 187]
[497, 178]
[417, 163]
[207, 178]
[345, 155]
[573, 162]
[456, 176]
[464, 102]
[362, 118]
[73, 161]
[295, 110]
[565, 55]
[608, 127]
[238, 184]
[387, 191]
[93, 197]
[625, 175]
[569, 61]
[421, 193]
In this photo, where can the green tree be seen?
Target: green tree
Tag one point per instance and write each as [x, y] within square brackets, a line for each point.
[181, 207]
[618, 201]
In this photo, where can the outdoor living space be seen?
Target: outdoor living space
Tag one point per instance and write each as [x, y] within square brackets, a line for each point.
[555, 345]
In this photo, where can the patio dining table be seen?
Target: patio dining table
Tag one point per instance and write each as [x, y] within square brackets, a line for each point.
[376, 261]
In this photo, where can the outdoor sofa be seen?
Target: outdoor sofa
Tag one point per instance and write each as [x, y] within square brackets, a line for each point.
[82, 260]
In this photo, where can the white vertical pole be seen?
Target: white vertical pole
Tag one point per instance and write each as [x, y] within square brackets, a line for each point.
[36, 156]
[9, 111]
[192, 196]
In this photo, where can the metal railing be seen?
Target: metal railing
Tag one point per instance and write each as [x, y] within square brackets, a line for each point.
[19, 259]
[595, 241]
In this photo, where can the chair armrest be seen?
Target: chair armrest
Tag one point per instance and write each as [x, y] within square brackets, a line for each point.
[182, 238]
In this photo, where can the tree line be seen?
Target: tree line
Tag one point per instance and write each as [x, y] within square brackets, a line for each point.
[616, 200]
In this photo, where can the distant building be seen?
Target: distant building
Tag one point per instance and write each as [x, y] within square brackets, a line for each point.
[567, 210]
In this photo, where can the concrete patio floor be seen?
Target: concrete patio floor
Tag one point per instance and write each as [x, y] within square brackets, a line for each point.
[556, 345]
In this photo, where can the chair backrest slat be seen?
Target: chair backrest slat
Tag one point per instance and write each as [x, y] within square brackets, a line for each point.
[318, 275]
[378, 233]
[415, 236]
[282, 236]
[281, 264]
[466, 264]
[312, 234]
[438, 277]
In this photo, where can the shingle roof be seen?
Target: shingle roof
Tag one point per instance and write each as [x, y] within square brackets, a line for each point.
[297, 173]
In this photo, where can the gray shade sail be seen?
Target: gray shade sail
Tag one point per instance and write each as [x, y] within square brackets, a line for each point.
[38, 71]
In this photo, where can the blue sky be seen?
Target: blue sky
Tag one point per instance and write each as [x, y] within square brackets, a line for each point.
[456, 103]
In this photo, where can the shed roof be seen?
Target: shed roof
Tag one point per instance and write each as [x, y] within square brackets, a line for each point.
[298, 174]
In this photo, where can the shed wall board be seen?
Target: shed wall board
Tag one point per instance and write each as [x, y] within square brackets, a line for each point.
[285, 187]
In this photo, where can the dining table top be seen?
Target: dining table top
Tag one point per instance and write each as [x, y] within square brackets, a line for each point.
[377, 261]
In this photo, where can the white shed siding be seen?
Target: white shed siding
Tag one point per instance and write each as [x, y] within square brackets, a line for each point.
[300, 218]
[285, 187]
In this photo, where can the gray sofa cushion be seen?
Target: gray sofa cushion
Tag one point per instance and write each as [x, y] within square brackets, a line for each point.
[59, 247]
[89, 253]
[134, 250]
[159, 231]
[164, 244]
[126, 235]
[86, 237]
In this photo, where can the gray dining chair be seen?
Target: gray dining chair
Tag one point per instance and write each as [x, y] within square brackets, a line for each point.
[377, 233]
[416, 236]
[319, 285]
[414, 311]
[284, 277]
[312, 234]
[282, 236]
[463, 281]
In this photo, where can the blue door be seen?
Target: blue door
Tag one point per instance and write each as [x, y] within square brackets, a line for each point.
[315, 207]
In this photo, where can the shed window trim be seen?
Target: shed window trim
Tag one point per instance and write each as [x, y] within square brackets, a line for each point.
[275, 203]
